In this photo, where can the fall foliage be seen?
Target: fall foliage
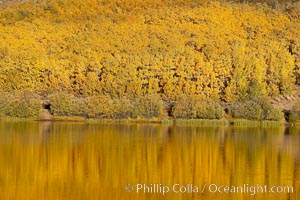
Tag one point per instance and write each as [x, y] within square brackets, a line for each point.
[129, 49]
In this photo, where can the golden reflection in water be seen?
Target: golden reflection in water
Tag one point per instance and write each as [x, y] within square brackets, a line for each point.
[45, 160]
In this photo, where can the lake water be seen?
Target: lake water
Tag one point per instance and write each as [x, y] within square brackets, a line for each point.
[44, 160]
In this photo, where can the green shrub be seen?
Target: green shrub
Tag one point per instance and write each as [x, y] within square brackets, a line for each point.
[269, 111]
[246, 110]
[183, 108]
[21, 105]
[209, 110]
[105, 107]
[123, 108]
[147, 106]
[258, 109]
[197, 108]
[64, 104]
[98, 107]
[295, 112]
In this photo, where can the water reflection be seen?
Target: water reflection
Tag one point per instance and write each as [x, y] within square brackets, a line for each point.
[45, 160]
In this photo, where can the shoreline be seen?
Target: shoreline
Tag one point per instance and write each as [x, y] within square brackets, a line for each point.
[198, 122]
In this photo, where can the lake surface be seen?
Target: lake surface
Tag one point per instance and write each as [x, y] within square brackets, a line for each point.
[47, 160]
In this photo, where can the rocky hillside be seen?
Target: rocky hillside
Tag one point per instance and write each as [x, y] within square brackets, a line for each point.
[286, 102]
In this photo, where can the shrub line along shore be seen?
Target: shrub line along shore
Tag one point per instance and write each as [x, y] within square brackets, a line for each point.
[182, 122]
[186, 110]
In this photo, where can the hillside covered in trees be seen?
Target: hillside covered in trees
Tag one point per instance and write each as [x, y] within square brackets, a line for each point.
[134, 48]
